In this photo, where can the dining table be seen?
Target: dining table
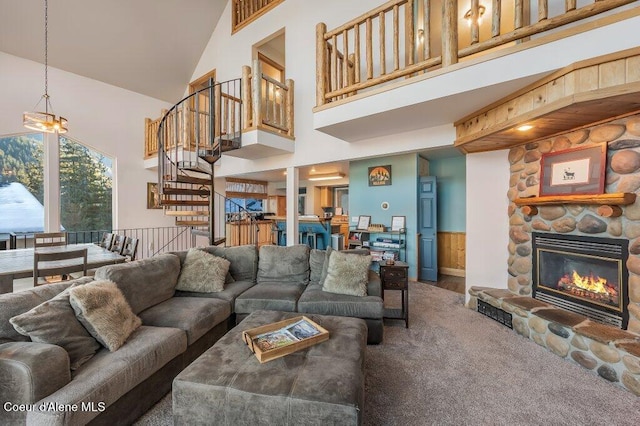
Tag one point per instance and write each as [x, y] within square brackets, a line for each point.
[18, 263]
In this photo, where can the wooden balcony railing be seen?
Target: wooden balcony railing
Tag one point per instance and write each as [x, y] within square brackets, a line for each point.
[401, 38]
[270, 101]
[247, 11]
[264, 103]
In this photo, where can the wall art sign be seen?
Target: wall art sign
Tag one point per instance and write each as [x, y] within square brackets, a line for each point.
[577, 171]
[380, 175]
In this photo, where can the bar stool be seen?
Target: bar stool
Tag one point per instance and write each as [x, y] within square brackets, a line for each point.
[311, 238]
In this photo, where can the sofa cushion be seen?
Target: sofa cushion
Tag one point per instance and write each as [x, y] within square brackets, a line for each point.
[55, 322]
[269, 296]
[284, 265]
[109, 375]
[244, 260]
[316, 263]
[202, 272]
[104, 312]
[144, 282]
[316, 301]
[230, 292]
[347, 274]
[12, 304]
[195, 315]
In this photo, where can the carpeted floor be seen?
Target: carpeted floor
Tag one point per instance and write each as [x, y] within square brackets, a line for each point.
[456, 367]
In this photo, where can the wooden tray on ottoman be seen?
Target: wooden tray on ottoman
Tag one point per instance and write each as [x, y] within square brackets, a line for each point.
[281, 338]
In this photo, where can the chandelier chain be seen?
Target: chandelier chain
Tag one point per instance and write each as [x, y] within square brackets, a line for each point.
[46, 48]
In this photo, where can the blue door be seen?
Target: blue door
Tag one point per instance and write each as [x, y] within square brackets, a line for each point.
[427, 227]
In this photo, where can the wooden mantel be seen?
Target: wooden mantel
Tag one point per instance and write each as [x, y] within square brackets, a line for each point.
[609, 203]
[581, 94]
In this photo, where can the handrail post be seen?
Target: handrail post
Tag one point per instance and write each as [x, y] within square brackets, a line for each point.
[256, 93]
[321, 63]
[289, 105]
[449, 33]
[246, 97]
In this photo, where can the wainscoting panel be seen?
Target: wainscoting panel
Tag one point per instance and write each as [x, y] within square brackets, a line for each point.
[451, 253]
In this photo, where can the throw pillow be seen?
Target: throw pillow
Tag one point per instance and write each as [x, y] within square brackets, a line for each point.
[220, 253]
[104, 312]
[347, 274]
[54, 322]
[203, 272]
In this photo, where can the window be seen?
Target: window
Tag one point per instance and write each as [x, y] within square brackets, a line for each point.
[85, 188]
[341, 198]
[21, 184]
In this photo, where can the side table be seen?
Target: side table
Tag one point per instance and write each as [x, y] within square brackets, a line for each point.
[396, 277]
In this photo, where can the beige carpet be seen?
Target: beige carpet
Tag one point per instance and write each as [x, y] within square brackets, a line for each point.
[454, 366]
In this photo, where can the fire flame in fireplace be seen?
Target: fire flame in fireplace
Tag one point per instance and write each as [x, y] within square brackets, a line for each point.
[589, 285]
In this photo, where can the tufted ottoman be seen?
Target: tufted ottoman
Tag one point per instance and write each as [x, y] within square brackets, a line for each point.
[323, 384]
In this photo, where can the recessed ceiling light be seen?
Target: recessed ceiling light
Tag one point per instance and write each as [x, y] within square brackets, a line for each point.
[524, 127]
[327, 176]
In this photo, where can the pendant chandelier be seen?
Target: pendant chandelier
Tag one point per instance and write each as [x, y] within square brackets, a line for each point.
[45, 121]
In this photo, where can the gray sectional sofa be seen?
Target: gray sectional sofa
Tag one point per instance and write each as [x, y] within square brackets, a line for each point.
[38, 387]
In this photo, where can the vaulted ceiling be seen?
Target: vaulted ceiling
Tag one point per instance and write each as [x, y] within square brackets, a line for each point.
[148, 46]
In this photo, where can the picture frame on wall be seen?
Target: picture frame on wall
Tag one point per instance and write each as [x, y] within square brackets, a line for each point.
[363, 223]
[398, 223]
[153, 196]
[576, 171]
[380, 175]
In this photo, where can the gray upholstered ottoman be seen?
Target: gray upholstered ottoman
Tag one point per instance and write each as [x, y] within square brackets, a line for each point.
[323, 384]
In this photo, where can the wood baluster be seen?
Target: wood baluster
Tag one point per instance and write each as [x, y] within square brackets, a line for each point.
[351, 74]
[369, 46]
[426, 29]
[345, 59]
[396, 38]
[543, 10]
[569, 5]
[246, 97]
[383, 60]
[289, 106]
[450, 33]
[334, 64]
[356, 54]
[321, 64]
[496, 7]
[518, 14]
[475, 21]
[256, 94]
[409, 39]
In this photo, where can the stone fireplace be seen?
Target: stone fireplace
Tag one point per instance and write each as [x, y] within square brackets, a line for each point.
[574, 269]
[585, 275]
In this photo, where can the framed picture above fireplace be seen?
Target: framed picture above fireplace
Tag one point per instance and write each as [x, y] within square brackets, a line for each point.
[576, 171]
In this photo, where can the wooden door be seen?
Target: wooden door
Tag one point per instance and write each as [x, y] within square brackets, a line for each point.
[427, 227]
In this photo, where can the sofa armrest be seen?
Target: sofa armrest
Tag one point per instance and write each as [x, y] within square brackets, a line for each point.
[31, 371]
[374, 286]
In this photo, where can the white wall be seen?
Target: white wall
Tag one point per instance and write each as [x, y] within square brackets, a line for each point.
[228, 53]
[105, 118]
[487, 219]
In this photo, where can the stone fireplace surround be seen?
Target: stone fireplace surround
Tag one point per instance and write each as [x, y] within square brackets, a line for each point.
[613, 353]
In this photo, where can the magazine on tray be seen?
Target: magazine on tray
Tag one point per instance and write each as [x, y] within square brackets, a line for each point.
[284, 336]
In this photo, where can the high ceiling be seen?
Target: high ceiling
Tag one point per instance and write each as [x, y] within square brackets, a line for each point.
[147, 46]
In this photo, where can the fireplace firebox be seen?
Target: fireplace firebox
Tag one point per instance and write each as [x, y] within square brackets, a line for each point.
[586, 275]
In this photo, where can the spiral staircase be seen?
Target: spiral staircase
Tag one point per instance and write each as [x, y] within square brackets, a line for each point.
[192, 136]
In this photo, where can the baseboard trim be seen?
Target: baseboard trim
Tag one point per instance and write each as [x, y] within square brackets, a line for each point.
[452, 271]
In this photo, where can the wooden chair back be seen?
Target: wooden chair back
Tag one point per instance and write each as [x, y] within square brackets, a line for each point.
[49, 239]
[130, 248]
[107, 240]
[118, 244]
[58, 263]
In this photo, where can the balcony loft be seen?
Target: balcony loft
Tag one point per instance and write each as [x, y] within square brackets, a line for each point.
[262, 113]
[368, 89]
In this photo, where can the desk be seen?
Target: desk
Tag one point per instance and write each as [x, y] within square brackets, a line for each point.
[15, 264]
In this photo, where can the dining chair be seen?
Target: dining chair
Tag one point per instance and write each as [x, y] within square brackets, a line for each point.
[49, 239]
[107, 240]
[129, 249]
[118, 243]
[58, 264]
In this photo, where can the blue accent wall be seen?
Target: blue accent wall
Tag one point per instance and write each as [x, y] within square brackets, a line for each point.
[451, 176]
[401, 196]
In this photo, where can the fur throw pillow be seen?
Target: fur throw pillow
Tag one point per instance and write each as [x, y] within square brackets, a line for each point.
[203, 272]
[347, 273]
[104, 312]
